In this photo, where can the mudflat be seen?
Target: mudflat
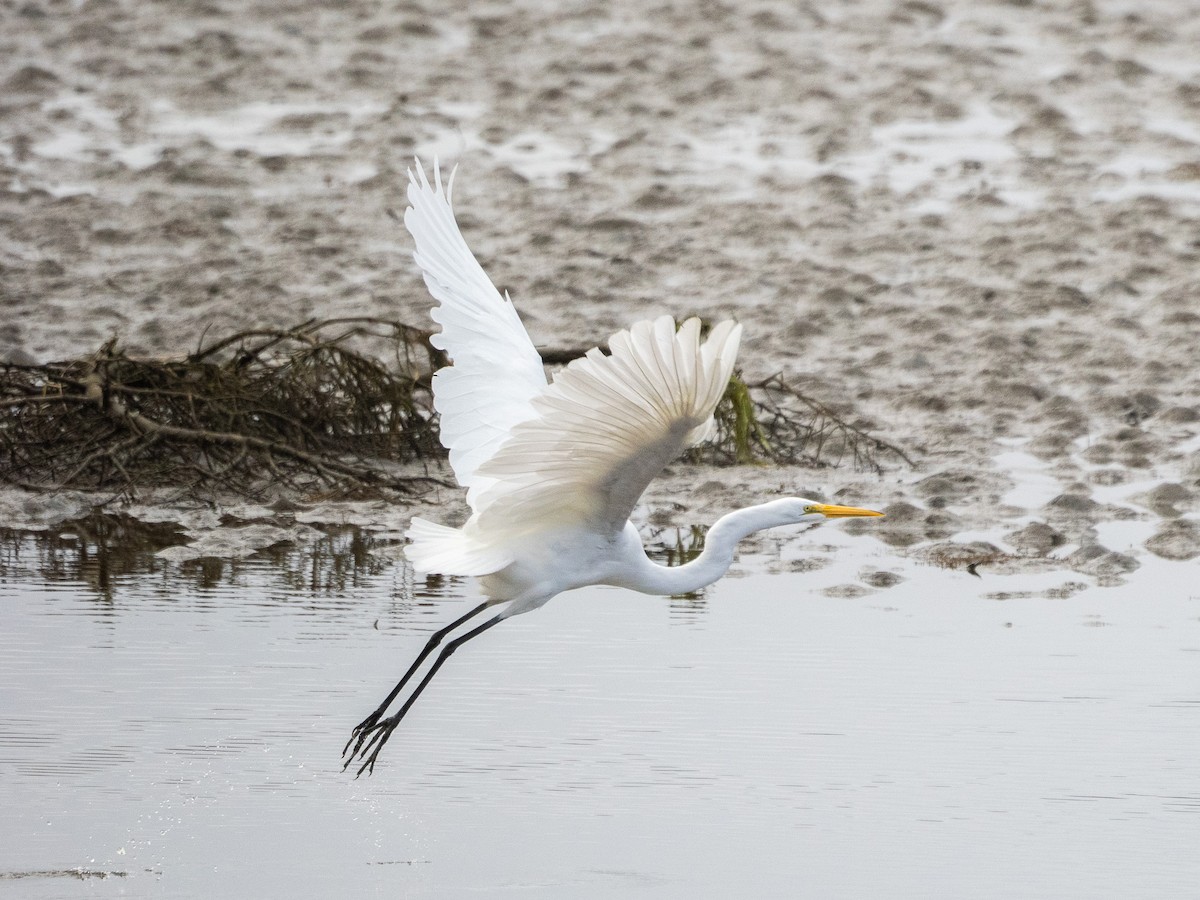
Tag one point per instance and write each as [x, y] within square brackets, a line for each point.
[973, 227]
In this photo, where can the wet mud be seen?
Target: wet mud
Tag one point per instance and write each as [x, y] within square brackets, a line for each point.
[972, 225]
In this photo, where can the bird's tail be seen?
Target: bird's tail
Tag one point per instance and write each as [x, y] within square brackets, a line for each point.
[451, 551]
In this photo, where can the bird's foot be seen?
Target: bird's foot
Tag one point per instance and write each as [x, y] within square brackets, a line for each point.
[367, 739]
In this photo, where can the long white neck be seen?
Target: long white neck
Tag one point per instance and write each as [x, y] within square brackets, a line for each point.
[715, 560]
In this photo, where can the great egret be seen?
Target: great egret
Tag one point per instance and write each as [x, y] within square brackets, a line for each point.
[553, 470]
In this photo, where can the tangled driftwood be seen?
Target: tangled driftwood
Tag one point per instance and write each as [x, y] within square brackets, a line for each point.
[303, 409]
[297, 406]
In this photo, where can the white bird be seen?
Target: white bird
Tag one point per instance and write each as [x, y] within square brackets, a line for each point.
[553, 470]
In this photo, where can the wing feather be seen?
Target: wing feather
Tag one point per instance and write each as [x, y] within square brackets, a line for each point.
[605, 428]
[578, 452]
[497, 371]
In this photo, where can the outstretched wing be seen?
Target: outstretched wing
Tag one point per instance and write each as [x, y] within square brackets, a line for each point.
[497, 371]
[605, 428]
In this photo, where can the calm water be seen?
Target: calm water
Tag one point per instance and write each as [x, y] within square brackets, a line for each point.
[183, 726]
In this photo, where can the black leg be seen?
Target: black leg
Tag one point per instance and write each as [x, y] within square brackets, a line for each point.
[372, 739]
[361, 729]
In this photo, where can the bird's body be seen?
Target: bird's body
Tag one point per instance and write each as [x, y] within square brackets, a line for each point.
[553, 470]
[539, 573]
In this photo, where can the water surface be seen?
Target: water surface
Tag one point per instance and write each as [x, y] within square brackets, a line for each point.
[178, 728]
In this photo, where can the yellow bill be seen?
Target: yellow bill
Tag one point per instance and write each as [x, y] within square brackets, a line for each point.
[842, 512]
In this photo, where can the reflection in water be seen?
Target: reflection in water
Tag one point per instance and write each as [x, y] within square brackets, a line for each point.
[93, 550]
[677, 547]
[342, 558]
[102, 548]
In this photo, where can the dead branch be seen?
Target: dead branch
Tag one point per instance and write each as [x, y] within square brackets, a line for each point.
[296, 406]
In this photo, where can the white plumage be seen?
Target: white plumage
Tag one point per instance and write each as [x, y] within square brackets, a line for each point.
[553, 471]
[536, 456]
[496, 372]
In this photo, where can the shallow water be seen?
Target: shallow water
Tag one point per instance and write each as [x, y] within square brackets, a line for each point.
[182, 725]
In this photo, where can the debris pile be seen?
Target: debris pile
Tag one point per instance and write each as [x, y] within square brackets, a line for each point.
[304, 409]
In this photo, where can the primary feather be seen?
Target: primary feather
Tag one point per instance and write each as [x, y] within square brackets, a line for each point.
[496, 371]
[534, 457]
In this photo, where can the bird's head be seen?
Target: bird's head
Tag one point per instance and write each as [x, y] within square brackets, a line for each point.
[801, 509]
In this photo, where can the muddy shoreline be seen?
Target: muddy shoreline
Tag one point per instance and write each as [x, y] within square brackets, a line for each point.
[972, 225]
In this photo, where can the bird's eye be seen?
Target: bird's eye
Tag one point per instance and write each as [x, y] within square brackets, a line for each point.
[808, 509]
